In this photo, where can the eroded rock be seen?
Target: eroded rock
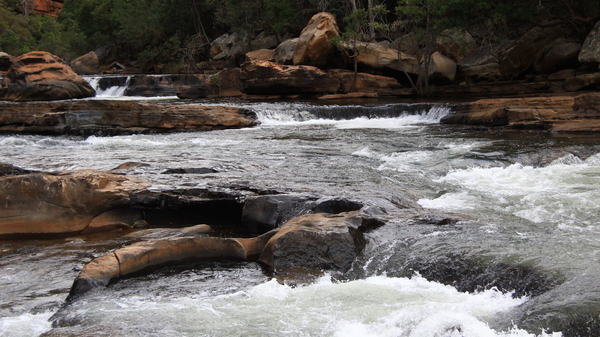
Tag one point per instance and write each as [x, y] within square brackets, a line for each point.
[41, 76]
[87, 64]
[61, 203]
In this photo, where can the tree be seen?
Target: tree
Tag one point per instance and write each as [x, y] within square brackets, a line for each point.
[350, 42]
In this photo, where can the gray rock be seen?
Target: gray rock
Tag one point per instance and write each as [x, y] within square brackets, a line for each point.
[590, 51]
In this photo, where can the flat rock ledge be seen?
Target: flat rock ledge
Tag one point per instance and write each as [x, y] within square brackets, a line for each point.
[106, 118]
[572, 113]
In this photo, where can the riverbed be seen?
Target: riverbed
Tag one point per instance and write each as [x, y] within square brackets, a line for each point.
[528, 205]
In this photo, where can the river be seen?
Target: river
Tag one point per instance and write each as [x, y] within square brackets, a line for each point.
[523, 259]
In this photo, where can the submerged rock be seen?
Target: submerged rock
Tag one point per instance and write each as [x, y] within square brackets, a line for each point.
[41, 76]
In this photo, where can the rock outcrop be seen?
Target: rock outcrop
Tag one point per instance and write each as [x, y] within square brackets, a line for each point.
[365, 83]
[87, 64]
[61, 203]
[455, 44]
[284, 53]
[41, 76]
[559, 113]
[522, 53]
[230, 46]
[314, 47]
[379, 57]
[100, 117]
[268, 78]
[482, 64]
[557, 56]
[590, 51]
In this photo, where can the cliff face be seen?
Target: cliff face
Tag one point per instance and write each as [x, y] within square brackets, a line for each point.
[46, 7]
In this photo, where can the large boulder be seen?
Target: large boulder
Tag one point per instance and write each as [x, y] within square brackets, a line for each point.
[230, 46]
[87, 64]
[264, 41]
[61, 203]
[522, 53]
[482, 64]
[408, 43]
[316, 242]
[442, 70]
[284, 53]
[455, 44]
[264, 213]
[590, 51]
[557, 56]
[41, 76]
[5, 61]
[269, 78]
[314, 46]
[379, 57]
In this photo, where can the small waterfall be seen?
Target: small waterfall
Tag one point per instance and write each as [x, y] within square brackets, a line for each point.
[109, 86]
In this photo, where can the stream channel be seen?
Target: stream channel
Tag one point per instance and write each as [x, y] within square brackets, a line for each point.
[523, 261]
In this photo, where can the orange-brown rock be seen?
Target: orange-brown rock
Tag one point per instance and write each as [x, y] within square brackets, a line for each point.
[375, 56]
[365, 83]
[261, 54]
[269, 78]
[149, 255]
[48, 7]
[61, 203]
[87, 64]
[557, 113]
[87, 117]
[41, 76]
[314, 47]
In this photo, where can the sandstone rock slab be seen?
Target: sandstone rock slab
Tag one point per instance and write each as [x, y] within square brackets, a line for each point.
[314, 47]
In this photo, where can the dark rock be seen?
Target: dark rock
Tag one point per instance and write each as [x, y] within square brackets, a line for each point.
[192, 92]
[556, 57]
[522, 53]
[162, 85]
[336, 206]
[10, 170]
[365, 83]
[5, 61]
[482, 64]
[41, 76]
[230, 47]
[191, 170]
[264, 41]
[316, 242]
[265, 213]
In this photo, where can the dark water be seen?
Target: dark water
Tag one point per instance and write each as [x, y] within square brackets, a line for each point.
[523, 259]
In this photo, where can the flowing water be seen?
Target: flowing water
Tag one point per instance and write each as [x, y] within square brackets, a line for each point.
[523, 259]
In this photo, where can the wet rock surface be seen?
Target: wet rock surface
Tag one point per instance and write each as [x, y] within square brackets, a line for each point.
[92, 117]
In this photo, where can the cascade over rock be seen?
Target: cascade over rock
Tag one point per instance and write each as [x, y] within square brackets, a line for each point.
[314, 47]
[41, 76]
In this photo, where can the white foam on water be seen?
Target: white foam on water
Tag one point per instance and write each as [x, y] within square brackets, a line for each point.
[376, 306]
[25, 325]
[564, 193]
